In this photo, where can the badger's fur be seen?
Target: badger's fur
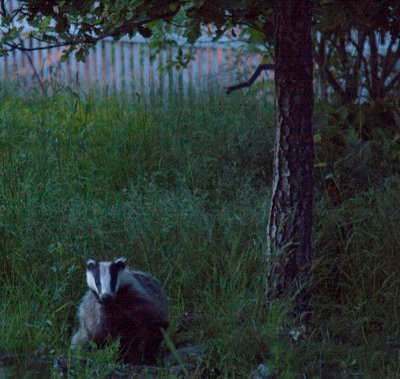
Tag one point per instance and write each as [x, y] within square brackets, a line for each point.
[122, 304]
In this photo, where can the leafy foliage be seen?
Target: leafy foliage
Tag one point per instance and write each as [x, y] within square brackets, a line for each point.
[355, 48]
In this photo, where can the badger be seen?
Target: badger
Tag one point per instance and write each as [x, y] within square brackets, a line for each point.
[122, 304]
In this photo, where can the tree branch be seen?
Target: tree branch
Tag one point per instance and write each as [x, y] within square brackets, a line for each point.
[35, 72]
[395, 80]
[391, 59]
[334, 83]
[3, 11]
[20, 47]
[248, 83]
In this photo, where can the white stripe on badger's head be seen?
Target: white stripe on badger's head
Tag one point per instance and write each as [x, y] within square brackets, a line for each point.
[105, 278]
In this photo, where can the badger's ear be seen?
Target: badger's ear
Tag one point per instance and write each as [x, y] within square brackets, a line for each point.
[91, 264]
[120, 262]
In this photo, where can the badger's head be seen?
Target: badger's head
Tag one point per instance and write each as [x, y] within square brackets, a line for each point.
[105, 278]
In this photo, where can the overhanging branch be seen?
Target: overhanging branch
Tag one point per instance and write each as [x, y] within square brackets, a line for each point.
[20, 47]
[252, 79]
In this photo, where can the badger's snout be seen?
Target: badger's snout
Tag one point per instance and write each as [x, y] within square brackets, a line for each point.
[106, 298]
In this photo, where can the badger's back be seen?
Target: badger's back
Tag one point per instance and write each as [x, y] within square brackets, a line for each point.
[140, 302]
[152, 290]
[137, 316]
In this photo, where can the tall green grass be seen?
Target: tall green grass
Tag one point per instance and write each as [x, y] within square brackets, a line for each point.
[181, 189]
[170, 186]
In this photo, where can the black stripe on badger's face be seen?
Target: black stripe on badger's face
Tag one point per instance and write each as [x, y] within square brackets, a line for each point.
[114, 270]
[103, 277]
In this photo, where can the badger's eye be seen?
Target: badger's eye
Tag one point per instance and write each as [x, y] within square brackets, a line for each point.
[120, 266]
[120, 263]
[91, 264]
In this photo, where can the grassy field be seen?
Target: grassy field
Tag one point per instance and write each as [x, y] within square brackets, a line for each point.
[182, 190]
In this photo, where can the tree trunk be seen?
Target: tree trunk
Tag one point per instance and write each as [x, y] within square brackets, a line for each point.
[290, 221]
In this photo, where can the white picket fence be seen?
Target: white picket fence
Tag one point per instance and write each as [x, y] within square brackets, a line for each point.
[126, 66]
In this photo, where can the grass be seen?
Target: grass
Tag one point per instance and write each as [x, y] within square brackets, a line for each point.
[182, 190]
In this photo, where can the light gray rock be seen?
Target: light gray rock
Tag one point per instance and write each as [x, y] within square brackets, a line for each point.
[193, 354]
[262, 372]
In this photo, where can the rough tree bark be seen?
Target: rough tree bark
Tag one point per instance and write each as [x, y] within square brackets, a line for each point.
[290, 221]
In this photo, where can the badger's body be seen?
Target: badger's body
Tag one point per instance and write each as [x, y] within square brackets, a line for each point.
[122, 304]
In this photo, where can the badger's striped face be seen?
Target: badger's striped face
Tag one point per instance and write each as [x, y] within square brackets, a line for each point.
[104, 278]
